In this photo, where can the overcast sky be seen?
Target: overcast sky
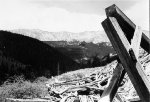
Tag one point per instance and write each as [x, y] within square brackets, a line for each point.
[67, 15]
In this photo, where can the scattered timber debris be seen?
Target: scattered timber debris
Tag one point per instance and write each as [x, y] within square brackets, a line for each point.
[105, 86]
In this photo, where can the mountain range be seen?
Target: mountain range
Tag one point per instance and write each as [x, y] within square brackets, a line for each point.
[80, 47]
[35, 51]
[87, 36]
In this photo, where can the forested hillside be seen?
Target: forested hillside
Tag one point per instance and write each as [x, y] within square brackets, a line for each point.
[28, 56]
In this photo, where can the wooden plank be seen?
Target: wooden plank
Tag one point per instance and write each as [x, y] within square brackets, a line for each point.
[118, 97]
[27, 100]
[128, 27]
[77, 87]
[128, 47]
[111, 90]
[133, 68]
[135, 42]
[136, 99]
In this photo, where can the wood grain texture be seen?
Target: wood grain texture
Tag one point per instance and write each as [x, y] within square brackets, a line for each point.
[136, 41]
[133, 68]
[127, 26]
[114, 83]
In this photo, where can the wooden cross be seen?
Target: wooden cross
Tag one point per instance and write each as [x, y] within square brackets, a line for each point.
[127, 26]
[126, 39]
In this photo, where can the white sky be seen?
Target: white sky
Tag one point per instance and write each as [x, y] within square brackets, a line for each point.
[67, 15]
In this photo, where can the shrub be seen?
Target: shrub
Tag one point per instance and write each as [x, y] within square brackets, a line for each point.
[41, 79]
[22, 89]
[14, 79]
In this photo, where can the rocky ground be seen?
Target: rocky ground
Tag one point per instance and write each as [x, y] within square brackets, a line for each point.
[126, 92]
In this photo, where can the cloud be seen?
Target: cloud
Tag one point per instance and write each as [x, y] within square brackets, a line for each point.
[15, 15]
[25, 14]
[139, 14]
[84, 6]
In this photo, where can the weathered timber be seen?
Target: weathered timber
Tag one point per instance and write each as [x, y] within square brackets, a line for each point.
[118, 97]
[72, 82]
[135, 42]
[135, 99]
[81, 87]
[127, 26]
[27, 100]
[122, 46]
[111, 90]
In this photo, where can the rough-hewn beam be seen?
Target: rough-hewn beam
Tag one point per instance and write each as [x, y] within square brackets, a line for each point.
[127, 26]
[114, 84]
[119, 98]
[136, 41]
[133, 67]
[136, 99]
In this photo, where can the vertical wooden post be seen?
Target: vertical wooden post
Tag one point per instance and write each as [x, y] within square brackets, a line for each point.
[133, 67]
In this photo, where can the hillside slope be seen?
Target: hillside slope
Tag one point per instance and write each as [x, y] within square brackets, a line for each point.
[82, 47]
[82, 52]
[36, 57]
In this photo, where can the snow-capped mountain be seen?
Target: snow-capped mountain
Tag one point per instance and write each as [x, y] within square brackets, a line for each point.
[87, 36]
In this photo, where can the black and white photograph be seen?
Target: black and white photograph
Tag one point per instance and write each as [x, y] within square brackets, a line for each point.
[74, 51]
